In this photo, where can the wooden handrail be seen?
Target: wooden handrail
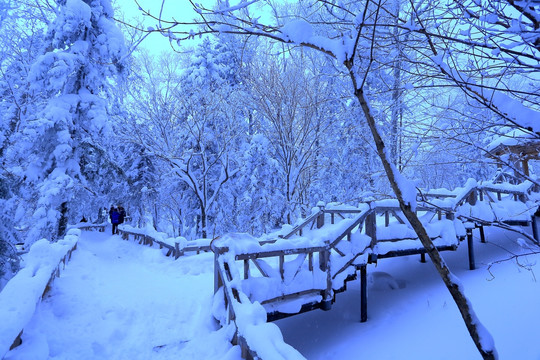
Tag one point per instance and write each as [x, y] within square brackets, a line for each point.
[307, 221]
[230, 273]
[11, 299]
[174, 250]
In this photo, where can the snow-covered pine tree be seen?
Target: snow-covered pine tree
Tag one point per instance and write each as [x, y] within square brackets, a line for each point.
[83, 49]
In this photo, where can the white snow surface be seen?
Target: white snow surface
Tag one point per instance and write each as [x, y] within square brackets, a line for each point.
[117, 299]
[21, 295]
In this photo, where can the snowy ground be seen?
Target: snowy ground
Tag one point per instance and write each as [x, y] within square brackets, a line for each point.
[420, 320]
[120, 300]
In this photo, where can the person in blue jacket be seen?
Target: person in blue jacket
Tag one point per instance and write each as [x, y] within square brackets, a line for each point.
[114, 214]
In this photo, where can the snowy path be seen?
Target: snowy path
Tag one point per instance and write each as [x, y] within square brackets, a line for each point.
[120, 300]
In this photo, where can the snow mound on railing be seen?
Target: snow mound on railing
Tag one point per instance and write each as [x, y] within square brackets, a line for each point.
[165, 238]
[23, 292]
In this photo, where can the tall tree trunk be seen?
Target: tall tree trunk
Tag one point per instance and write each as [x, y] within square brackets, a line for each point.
[62, 223]
[203, 222]
[479, 334]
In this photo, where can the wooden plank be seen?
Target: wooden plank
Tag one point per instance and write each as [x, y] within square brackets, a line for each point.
[246, 269]
[276, 315]
[356, 223]
[275, 253]
[398, 217]
[363, 293]
[402, 239]
[218, 282]
[337, 250]
[382, 209]
[516, 222]
[439, 195]
[293, 296]
[324, 260]
[414, 251]
[259, 267]
[482, 234]
[343, 211]
[464, 197]
[281, 269]
[371, 227]
[503, 191]
[300, 265]
[320, 220]
[470, 248]
[308, 220]
[473, 197]
[347, 264]
[327, 295]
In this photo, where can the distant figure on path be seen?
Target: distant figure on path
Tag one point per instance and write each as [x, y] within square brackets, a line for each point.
[114, 214]
[122, 214]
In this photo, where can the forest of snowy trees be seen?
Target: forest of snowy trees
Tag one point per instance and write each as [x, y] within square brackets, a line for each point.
[249, 125]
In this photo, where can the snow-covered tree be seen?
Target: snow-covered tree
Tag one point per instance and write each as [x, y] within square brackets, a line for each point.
[82, 50]
[21, 28]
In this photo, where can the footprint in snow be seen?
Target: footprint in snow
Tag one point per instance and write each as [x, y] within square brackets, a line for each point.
[380, 280]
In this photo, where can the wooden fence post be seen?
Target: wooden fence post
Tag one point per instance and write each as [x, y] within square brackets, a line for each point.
[324, 258]
[320, 218]
[482, 234]
[470, 246]
[177, 252]
[534, 225]
[324, 265]
[218, 282]
[473, 197]
[371, 227]
[281, 266]
[363, 293]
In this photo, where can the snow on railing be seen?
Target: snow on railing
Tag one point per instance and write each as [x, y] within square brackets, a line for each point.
[305, 268]
[257, 338]
[20, 296]
[176, 246]
[91, 227]
[341, 239]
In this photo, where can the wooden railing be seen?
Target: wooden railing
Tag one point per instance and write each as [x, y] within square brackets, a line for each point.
[38, 278]
[315, 260]
[365, 221]
[93, 227]
[255, 336]
[173, 248]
